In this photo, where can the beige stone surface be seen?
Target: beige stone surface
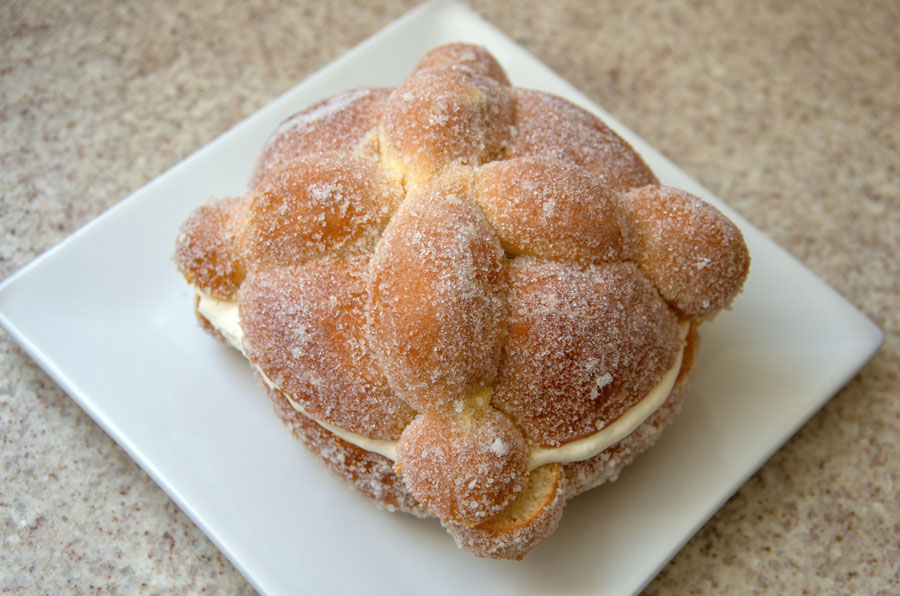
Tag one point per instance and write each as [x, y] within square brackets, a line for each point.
[788, 111]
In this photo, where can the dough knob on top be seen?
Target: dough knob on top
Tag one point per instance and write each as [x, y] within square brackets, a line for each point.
[207, 250]
[441, 115]
[475, 58]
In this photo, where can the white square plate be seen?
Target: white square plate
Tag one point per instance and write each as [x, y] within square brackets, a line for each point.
[108, 317]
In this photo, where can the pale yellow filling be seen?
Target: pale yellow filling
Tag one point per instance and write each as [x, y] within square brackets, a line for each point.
[223, 315]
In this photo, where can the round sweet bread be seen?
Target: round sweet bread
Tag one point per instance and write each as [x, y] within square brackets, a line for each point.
[471, 301]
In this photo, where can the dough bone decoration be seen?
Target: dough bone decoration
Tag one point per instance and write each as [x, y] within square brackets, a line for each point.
[471, 301]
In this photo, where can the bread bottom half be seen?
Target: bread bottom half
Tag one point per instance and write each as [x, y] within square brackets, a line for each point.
[532, 516]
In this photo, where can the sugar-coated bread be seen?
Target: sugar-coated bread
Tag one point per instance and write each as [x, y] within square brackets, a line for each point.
[439, 281]
[694, 255]
[442, 115]
[551, 208]
[547, 125]
[466, 467]
[475, 58]
[317, 205]
[208, 251]
[305, 326]
[436, 296]
[584, 345]
[340, 123]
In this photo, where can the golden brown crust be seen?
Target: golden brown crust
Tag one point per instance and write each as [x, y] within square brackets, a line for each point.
[465, 469]
[585, 344]
[694, 255]
[472, 270]
[442, 115]
[606, 465]
[551, 126]
[305, 327]
[465, 55]
[340, 123]
[546, 207]
[436, 297]
[317, 205]
[206, 250]
[535, 512]
[524, 524]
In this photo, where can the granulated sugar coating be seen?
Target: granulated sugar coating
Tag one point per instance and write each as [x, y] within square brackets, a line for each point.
[443, 115]
[436, 296]
[687, 248]
[317, 205]
[465, 469]
[585, 344]
[474, 58]
[457, 272]
[339, 123]
[207, 252]
[590, 473]
[549, 125]
[550, 208]
[304, 326]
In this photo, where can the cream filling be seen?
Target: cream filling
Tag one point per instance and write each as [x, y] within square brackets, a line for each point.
[223, 315]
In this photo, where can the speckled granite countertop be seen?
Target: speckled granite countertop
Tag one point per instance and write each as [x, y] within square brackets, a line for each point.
[787, 111]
